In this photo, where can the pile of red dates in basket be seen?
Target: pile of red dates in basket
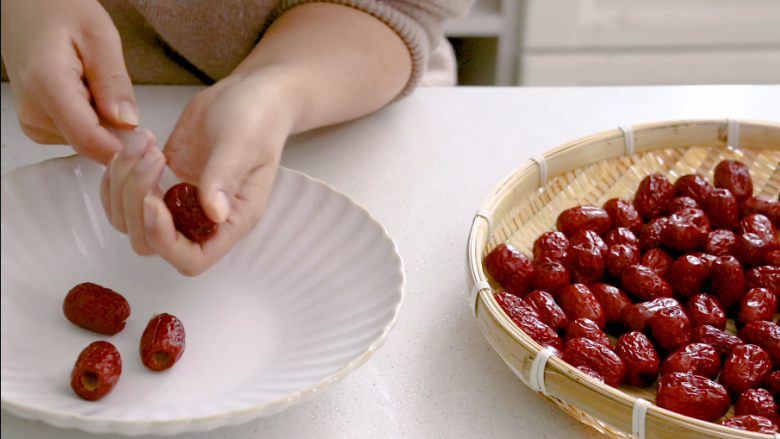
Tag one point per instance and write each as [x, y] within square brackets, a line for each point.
[663, 273]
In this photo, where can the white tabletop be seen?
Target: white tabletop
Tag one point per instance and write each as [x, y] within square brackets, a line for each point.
[422, 167]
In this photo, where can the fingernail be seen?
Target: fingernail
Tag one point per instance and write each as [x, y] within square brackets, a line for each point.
[128, 113]
[150, 160]
[150, 213]
[221, 206]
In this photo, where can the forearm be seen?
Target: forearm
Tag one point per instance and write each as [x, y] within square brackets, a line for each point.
[334, 63]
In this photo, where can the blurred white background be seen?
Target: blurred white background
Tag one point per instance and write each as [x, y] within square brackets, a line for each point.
[618, 42]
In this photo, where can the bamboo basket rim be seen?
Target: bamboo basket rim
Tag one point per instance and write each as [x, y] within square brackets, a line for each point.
[481, 233]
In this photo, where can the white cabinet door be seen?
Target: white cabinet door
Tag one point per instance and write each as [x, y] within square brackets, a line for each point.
[649, 68]
[569, 24]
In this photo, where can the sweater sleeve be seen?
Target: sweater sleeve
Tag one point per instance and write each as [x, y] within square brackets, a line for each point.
[417, 23]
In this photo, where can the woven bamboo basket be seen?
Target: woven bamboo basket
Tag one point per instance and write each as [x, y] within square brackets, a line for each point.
[592, 170]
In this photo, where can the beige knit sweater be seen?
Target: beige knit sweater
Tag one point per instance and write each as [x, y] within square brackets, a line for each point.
[202, 41]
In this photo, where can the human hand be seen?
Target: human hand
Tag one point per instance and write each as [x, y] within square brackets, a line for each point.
[228, 142]
[65, 64]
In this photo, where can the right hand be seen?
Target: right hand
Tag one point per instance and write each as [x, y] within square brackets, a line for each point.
[65, 64]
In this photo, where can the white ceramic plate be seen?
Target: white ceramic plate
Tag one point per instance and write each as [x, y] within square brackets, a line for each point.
[302, 301]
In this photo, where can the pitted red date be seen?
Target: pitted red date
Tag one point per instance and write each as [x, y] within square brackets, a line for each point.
[162, 343]
[96, 371]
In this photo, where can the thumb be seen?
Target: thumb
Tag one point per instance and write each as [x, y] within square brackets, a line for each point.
[222, 177]
[107, 77]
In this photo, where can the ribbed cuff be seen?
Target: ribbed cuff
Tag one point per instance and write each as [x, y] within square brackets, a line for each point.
[410, 31]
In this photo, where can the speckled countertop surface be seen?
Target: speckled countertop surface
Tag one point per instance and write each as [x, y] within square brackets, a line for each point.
[422, 168]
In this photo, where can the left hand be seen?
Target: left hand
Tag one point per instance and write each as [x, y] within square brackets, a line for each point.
[228, 142]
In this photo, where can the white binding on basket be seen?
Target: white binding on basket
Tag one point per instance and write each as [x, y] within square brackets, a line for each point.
[479, 286]
[732, 132]
[542, 162]
[638, 417]
[777, 435]
[537, 370]
[628, 139]
[488, 217]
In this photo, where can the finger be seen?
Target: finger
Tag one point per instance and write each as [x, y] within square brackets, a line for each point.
[42, 136]
[107, 77]
[161, 235]
[225, 171]
[141, 181]
[105, 189]
[120, 170]
[61, 95]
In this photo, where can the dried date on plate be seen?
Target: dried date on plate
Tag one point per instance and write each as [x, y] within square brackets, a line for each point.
[189, 218]
[692, 395]
[162, 343]
[734, 176]
[512, 269]
[623, 214]
[96, 308]
[640, 358]
[575, 219]
[652, 196]
[597, 357]
[96, 371]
